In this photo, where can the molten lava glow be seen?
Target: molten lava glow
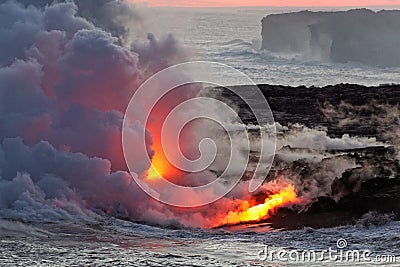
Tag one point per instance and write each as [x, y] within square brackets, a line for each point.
[153, 173]
[247, 213]
[160, 166]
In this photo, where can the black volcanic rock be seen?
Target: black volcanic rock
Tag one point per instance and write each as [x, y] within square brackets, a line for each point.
[304, 104]
[373, 187]
[379, 195]
[323, 204]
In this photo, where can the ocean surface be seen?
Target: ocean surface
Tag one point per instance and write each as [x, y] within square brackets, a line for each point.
[230, 36]
[113, 242]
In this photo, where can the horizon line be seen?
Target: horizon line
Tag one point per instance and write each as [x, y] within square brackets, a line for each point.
[345, 6]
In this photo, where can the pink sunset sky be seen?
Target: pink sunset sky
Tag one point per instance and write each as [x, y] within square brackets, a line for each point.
[303, 3]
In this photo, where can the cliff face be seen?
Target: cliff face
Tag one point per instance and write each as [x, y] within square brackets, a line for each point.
[289, 32]
[360, 35]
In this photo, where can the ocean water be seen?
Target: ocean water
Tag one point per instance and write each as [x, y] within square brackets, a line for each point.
[113, 242]
[230, 36]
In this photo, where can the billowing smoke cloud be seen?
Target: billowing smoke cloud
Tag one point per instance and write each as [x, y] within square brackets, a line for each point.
[118, 17]
[65, 81]
[313, 160]
[383, 118]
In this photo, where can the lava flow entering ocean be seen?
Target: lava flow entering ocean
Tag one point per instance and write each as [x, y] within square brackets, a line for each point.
[252, 213]
[247, 211]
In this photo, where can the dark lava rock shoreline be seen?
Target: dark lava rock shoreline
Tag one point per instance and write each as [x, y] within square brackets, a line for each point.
[304, 104]
[376, 194]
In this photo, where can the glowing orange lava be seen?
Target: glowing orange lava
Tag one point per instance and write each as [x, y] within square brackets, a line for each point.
[246, 213]
[161, 167]
[159, 164]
